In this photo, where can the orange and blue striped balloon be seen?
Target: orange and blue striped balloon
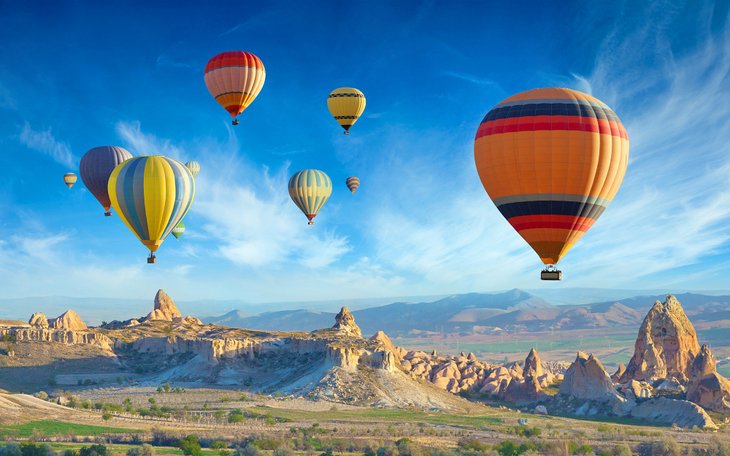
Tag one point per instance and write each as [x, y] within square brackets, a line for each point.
[551, 160]
[151, 195]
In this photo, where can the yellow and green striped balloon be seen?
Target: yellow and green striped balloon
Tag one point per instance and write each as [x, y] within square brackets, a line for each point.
[346, 105]
[310, 189]
[151, 195]
[179, 230]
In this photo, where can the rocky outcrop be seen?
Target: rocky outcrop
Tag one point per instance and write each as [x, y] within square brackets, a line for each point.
[533, 365]
[165, 308]
[345, 323]
[383, 341]
[706, 387]
[38, 320]
[666, 345]
[671, 411]
[586, 378]
[60, 336]
[68, 320]
[616, 376]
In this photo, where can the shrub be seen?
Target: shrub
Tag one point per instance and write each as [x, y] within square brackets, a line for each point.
[249, 450]
[190, 445]
[106, 416]
[666, 447]
[144, 450]
[218, 444]
[10, 449]
[283, 451]
[719, 448]
[235, 416]
[622, 449]
[94, 450]
[473, 445]
[41, 395]
[32, 449]
[507, 448]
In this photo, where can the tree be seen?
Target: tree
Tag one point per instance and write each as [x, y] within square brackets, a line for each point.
[94, 450]
[190, 445]
[144, 450]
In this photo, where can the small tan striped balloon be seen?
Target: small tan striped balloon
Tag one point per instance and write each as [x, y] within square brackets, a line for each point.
[352, 182]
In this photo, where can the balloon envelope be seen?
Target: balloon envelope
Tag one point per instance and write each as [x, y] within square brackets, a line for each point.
[69, 179]
[346, 105]
[151, 195]
[178, 230]
[95, 168]
[310, 189]
[234, 79]
[551, 160]
[352, 183]
[194, 167]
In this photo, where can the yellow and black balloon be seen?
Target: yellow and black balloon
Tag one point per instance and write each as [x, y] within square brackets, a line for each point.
[346, 105]
[551, 160]
[151, 194]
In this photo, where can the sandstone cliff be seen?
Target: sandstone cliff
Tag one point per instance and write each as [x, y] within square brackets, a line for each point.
[666, 345]
[706, 387]
[38, 320]
[164, 309]
[586, 378]
[69, 320]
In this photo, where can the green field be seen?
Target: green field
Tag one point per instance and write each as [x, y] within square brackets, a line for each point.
[384, 415]
[48, 428]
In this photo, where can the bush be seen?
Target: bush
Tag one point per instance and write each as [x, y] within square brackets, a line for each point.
[666, 447]
[70, 452]
[94, 450]
[249, 450]
[622, 449]
[235, 416]
[719, 448]
[283, 451]
[106, 416]
[473, 445]
[32, 449]
[218, 444]
[144, 450]
[584, 449]
[507, 448]
[190, 445]
[41, 395]
[10, 449]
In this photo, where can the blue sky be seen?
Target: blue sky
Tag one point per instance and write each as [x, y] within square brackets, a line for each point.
[74, 75]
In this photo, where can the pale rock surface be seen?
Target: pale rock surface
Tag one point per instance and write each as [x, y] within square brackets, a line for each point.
[345, 323]
[666, 345]
[616, 376]
[540, 410]
[38, 320]
[672, 411]
[707, 387]
[586, 378]
[69, 320]
[165, 308]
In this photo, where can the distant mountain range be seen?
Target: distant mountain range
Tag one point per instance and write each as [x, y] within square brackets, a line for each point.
[515, 310]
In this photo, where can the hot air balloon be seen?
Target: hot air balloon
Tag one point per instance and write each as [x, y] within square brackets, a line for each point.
[310, 189]
[551, 160]
[235, 78]
[95, 168]
[69, 179]
[194, 167]
[178, 230]
[151, 195]
[346, 105]
[352, 183]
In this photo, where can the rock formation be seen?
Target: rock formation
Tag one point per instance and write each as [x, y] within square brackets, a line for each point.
[345, 323]
[383, 341]
[38, 320]
[586, 378]
[69, 320]
[533, 365]
[706, 387]
[666, 345]
[619, 372]
[671, 411]
[165, 308]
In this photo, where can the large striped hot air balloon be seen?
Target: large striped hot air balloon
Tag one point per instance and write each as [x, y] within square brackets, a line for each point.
[551, 160]
[346, 105]
[151, 195]
[69, 179]
[352, 182]
[95, 168]
[310, 189]
[235, 78]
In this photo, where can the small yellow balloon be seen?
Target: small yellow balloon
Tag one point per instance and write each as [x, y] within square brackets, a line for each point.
[346, 105]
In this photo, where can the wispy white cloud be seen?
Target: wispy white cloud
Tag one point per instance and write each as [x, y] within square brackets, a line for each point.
[164, 61]
[474, 79]
[140, 143]
[673, 209]
[44, 141]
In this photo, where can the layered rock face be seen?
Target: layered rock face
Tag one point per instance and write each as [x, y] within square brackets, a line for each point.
[38, 320]
[706, 387]
[345, 323]
[58, 335]
[671, 411]
[586, 378]
[69, 320]
[666, 346]
[165, 308]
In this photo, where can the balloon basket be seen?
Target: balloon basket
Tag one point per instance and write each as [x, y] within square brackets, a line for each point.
[347, 132]
[151, 259]
[108, 214]
[235, 122]
[310, 223]
[551, 273]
